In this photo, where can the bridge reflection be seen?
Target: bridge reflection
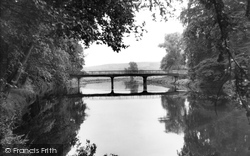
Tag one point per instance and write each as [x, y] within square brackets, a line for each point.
[126, 95]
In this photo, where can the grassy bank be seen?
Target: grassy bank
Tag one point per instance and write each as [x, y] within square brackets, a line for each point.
[15, 103]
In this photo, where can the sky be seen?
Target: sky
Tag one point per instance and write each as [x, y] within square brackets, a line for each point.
[144, 50]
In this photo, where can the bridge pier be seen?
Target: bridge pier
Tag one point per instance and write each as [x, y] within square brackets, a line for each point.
[78, 84]
[175, 79]
[112, 84]
[144, 83]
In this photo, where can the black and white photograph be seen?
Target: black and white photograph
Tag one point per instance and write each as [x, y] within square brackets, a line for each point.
[124, 77]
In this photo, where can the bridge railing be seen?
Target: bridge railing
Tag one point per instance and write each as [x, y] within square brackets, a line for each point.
[128, 72]
[125, 72]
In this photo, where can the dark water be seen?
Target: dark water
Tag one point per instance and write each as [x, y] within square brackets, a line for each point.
[163, 125]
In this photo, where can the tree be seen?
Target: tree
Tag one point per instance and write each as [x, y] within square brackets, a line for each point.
[174, 58]
[200, 35]
[39, 41]
[43, 26]
[218, 30]
[133, 67]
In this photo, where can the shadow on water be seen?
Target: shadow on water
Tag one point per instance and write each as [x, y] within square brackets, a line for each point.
[53, 122]
[207, 133]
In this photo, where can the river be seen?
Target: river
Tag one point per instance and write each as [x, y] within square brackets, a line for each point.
[176, 124]
[162, 125]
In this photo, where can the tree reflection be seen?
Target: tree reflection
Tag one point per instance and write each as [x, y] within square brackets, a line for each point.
[54, 122]
[132, 84]
[176, 112]
[208, 134]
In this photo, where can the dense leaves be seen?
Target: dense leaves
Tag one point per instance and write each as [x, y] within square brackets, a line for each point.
[218, 30]
[47, 29]
[133, 67]
[209, 72]
[29, 46]
[174, 59]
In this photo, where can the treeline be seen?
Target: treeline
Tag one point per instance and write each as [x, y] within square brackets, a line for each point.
[215, 45]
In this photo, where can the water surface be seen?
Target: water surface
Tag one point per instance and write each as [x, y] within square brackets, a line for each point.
[128, 126]
[164, 125]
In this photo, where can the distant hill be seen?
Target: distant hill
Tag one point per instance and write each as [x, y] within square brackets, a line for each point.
[121, 66]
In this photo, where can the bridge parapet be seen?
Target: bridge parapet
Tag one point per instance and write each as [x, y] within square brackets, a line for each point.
[114, 73]
[126, 72]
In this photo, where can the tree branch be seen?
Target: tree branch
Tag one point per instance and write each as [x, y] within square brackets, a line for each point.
[20, 68]
[224, 24]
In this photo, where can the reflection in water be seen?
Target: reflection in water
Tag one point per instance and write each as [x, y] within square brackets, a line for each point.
[54, 121]
[119, 87]
[133, 85]
[224, 134]
[223, 131]
[129, 127]
[189, 123]
[176, 112]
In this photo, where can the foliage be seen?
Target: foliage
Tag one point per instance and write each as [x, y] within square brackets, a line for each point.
[6, 132]
[133, 67]
[219, 30]
[201, 33]
[40, 42]
[174, 58]
[43, 29]
[88, 150]
[209, 72]
[30, 45]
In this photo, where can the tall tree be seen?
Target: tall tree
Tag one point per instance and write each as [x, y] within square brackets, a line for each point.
[174, 48]
[218, 30]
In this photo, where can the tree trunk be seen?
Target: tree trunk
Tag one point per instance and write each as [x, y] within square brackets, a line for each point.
[19, 70]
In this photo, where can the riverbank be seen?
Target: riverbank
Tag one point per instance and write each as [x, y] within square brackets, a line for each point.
[14, 104]
[182, 84]
[31, 106]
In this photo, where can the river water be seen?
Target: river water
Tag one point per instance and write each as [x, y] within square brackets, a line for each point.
[163, 125]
